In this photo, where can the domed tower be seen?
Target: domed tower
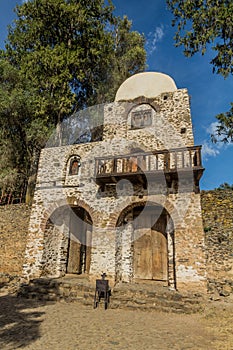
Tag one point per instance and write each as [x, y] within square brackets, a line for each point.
[123, 196]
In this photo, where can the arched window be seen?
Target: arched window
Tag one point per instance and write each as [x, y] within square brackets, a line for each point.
[74, 165]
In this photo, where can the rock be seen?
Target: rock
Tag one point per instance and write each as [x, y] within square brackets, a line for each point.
[226, 291]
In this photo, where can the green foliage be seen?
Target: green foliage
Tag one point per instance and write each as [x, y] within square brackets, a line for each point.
[22, 128]
[225, 186]
[203, 24]
[72, 51]
[224, 128]
[60, 56]
[127, 58]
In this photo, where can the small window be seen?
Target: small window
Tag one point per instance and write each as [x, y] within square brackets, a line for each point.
[183, 130]
[74, 165]
[141, 119]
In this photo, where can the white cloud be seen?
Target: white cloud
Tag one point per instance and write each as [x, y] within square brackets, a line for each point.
[153, 38]
[211, 129]
[209, 150]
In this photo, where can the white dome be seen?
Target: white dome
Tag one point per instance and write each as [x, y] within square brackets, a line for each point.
[147, 84]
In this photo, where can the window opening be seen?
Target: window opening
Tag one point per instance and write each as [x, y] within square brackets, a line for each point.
[141, 119]
[74, 166]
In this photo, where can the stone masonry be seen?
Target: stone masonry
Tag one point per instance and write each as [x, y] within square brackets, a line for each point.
[217, 216]
[217, 212]
[14, 220]
[87, 220]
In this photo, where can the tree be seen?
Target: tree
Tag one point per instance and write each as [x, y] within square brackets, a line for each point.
[225, 186]
[224, 129]
[22, 129]
[69, 48]
[126, 58]
[72, 54]
[202, 24]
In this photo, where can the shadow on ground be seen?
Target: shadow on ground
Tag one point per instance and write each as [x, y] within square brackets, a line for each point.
[19, 321]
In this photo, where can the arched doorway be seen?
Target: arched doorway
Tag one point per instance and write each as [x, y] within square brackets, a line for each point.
[67, 242]
[150, 233]
[79, 242]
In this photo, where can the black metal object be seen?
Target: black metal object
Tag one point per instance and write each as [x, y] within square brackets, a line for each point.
[102, 290]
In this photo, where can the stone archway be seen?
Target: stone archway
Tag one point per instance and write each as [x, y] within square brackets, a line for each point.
[67, 242]
[145, 244]
[79, 242]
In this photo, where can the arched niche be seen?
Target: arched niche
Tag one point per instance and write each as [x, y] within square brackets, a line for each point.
[74, 164]
[141, 116]
[67, 242]
[145, 247]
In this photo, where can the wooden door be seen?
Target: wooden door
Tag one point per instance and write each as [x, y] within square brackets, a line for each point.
[150, 249]
[76, 246]
[159, 256]
[159, 249]
[142, 248]
[79, 246]
[88, 248]
[73, 263]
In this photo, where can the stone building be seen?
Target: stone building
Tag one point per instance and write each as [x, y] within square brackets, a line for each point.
[121, 196]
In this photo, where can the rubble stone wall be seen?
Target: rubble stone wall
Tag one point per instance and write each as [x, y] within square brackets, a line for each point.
[169, 127]
[58, 191]
[14, 220]
[217, 213]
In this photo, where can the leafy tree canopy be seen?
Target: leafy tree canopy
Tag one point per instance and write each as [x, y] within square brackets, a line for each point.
[60, 56]
[73, 49]
[203, 24]
[23, 128]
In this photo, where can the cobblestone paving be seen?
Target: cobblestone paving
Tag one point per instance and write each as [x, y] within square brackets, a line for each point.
[35, 325]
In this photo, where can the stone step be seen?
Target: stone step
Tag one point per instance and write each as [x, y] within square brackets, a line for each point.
[123, 296]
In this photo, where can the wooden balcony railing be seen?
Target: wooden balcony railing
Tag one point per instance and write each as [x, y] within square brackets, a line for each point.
[110, 169]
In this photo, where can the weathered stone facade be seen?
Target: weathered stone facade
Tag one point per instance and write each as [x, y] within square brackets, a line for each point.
[89, 217]
[217, 216]
[217, 211]
[14, 220]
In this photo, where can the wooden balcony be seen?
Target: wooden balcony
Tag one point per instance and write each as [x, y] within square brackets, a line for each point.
[174, 164]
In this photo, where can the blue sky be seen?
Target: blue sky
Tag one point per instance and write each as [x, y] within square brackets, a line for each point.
[210, 93]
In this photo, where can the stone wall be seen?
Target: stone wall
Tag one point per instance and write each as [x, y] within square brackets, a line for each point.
[164, 124]
[57, 190]
[14, 220]
[217, 211]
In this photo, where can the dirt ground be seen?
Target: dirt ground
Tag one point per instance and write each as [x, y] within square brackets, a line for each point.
[36, 325]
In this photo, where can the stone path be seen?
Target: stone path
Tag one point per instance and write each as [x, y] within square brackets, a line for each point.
[30, 325]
